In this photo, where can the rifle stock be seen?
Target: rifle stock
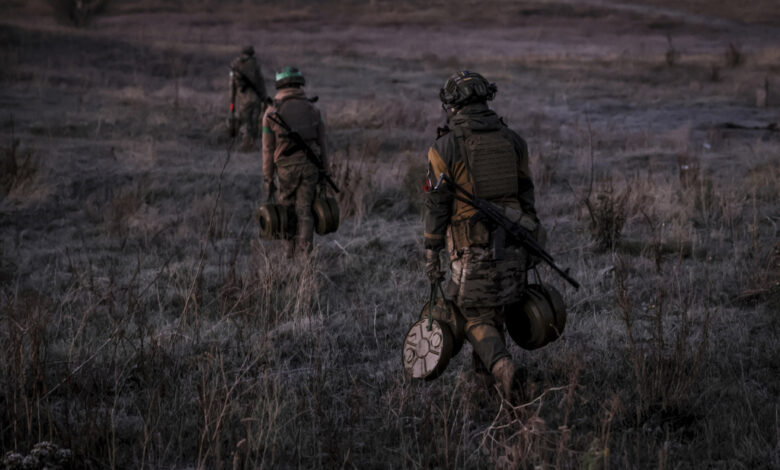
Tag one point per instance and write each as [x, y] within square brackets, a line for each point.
[494, 214]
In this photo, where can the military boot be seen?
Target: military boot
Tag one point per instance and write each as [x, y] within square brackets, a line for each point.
[504, 373]
[510, 379]
[481, 373]
[303, 242]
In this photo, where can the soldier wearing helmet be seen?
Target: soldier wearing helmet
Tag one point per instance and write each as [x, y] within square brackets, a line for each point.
[488, 271]
[247, 96]
[297, 176]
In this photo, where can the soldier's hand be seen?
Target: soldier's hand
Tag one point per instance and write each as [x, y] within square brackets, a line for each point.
[433, 266]
[268, 190]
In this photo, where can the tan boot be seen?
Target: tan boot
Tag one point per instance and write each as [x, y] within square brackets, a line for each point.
[504, 373]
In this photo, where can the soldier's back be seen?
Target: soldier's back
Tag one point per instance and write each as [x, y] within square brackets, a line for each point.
[301, 115]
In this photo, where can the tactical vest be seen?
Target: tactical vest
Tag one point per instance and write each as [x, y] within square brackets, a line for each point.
[489, 164]
[245, 75]
[303, 118]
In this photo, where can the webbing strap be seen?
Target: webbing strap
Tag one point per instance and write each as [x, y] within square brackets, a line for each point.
[460, 143]
[431, 302]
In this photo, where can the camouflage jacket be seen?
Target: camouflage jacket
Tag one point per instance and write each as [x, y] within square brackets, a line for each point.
[247, 79]
[304, 118]
[449, 155]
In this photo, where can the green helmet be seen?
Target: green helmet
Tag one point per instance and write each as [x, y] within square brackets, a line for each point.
[289, 76]
[466, 87]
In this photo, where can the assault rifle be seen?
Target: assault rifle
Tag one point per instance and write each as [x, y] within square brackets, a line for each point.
[299, 143]
[493, 213]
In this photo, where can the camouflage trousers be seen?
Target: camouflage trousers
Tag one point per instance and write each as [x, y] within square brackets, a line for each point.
[481, 286]
[485, 332]
[297, 189]
[249, 113]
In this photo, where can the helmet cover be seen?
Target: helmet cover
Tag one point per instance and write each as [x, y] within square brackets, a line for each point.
[289, 76]
[466, 87]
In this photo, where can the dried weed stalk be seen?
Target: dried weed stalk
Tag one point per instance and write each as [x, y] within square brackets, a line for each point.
[666, 348]
[608, 214]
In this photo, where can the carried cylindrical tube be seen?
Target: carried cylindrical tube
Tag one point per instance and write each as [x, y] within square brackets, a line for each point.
[326, 215]
[538, 319]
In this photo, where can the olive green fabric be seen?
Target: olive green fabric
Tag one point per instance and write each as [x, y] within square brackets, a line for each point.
[297, 188]
[249, 112]
[484, 332]
[298, 177]
[304, 118]
[446, 156]
[493, 165]
[249, 104]
[481, 282]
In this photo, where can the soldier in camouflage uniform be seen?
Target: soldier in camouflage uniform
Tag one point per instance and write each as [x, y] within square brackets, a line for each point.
[247, 93]
[488, 271]
[298, 177]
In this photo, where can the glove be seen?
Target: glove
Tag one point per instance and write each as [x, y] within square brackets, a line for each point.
[433, 266]
[268, 190]
[529, 223]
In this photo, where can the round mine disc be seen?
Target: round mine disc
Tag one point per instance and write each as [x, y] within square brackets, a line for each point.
[334, 214]
[326, 215]
[320, 209]
[268, 221]
[528, 321]
[427, 352]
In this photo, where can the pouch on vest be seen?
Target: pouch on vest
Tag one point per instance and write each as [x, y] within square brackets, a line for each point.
[492, 164]
[464, 234]
[303, 118]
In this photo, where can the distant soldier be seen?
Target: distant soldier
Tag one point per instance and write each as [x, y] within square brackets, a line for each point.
[247, 93]
[488, 270]
[298, 177]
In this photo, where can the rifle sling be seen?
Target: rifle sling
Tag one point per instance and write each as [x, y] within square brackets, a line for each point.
[292, 149]
[248, 82]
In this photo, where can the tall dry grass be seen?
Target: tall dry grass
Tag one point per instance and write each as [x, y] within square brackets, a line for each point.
[143, 324]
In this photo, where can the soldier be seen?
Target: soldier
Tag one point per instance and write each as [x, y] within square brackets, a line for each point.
[247, 91]
[488, 271]
[298, 177]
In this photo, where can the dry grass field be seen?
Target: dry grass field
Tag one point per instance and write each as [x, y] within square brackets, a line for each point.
[143, 324]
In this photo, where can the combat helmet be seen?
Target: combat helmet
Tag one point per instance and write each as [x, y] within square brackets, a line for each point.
[466, 87]
[289, 76]
[248, 50]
